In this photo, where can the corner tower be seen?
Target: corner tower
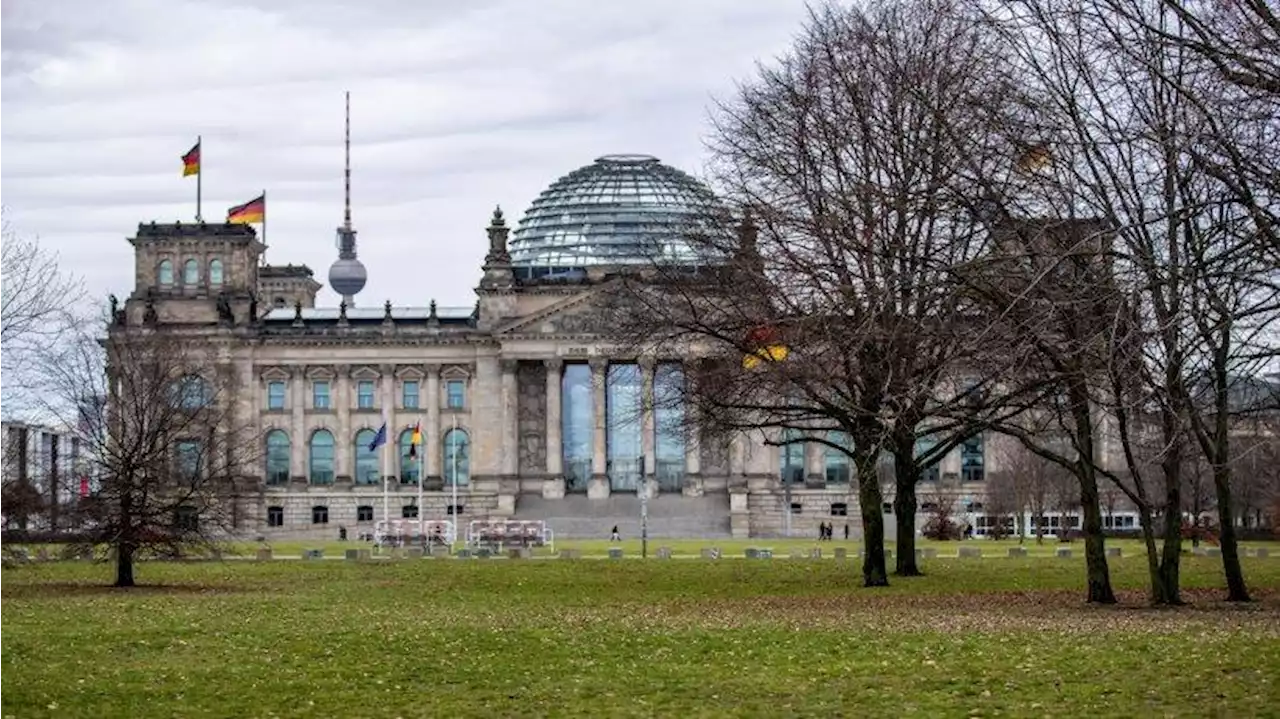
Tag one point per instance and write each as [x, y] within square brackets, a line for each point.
[347, 275]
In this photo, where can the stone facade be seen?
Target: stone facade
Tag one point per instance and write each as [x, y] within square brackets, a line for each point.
[491, 372]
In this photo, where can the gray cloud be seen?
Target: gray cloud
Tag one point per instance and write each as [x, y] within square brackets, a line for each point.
[457, 107]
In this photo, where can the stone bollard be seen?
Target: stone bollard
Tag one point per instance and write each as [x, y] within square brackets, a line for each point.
[797, 554]
[815, 553]
[571, 554]
[1199, 552]
[1261, 553]
[1115, 552]
[752, 553]
[766, 553]
[313, 554]
[710, 553]
[264, 555]
[664, 552]
[1213, 552]
[1063, 552]
[464, 554]
[1017, 551]
[842, 553]
[411, 553]
[615, 552]
[970, 552]
[352, 554]
[930, 553]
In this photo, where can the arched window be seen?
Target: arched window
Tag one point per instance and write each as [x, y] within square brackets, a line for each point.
[792, 456]
[320, 462]
[457, 466]
[277, 457]
[215, 272]
[165, 273]
[192, 392]
[190, 272]
[366, 459]
[837, 462]
[410, 465]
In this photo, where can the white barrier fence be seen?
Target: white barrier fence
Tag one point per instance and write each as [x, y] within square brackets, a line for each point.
[407, 532]
[510, 533]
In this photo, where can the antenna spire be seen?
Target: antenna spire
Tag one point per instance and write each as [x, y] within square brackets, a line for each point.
[346, 173]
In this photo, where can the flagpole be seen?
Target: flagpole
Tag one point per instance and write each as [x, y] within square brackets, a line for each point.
[456, 526]
[386, 498]
[264, 226]
[199, 175]
[422, 452]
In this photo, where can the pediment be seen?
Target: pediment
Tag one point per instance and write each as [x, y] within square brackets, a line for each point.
[576, 315]
[365, 372]
[274, 374]
[455, 372]
[321, 372]
[410, 372]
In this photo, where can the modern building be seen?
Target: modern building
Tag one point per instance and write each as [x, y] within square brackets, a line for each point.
[50, 466]
[523, 405]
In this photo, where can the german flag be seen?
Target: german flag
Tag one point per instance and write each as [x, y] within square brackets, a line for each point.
[191, 161]
[254, 210]
[415, 439]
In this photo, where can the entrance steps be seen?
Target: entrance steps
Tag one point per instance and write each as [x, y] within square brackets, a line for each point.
[671, 516]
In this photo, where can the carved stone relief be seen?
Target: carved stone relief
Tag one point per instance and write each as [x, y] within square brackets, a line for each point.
[531, 417]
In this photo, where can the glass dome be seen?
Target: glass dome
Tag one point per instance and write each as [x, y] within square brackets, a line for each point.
[619, 210]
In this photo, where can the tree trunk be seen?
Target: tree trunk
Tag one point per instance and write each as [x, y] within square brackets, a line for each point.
[124, 565]
[1236, 589]
[1095, 550]
[874, 572]
[906, 473]
[1170, 580]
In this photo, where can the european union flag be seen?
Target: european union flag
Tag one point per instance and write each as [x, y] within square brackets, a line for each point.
[379, 439]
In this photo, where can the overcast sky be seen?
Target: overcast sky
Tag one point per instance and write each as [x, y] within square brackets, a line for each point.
[456, 107]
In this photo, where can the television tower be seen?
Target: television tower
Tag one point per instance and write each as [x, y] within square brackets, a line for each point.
[347, 275]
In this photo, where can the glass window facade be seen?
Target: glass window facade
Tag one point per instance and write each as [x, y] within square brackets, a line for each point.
[923, 446]
[621, 209]
[364, 394]
[972, 460]
[275, 394]
[577, 413]
[320, 457]
[188, 458]
[457, 458]
[165, 273]
[215, 272]
[190, 272]
[838, 464]
[192, 392]
[366, 459]
[409, 394]
[456, 393]
[275, 516]
[277, 457]
[409, 466]
[792, 458]
[623, 426]
[668, 426]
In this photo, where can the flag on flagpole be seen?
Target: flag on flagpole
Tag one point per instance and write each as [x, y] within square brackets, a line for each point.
[191, 161]
[254, 210]
[415, 439]
[379, 439]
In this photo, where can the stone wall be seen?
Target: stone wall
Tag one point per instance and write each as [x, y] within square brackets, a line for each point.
[531, 383]
[714, 455]
[768, 511]
[343, 511]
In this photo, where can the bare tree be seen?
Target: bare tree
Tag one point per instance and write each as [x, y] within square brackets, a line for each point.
[833, 313]
[174, 456]
[38, 308]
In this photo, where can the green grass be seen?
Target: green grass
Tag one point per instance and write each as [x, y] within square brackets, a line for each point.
[601, 639]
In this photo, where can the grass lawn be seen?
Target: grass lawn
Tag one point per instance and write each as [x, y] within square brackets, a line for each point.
[1001, 637]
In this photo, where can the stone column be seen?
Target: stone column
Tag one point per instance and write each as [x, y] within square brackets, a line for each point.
[693, 486]
[342, 437]
[510, 450]
[298, 434]
[555, 451]
[815, 464]
[598, 486]
[432, 442]
[647, 438]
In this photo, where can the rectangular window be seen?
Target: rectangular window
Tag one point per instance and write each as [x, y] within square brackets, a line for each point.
[364, 513]
[409, 511]
[186, 519]
[320, 515]
[454, 509]
[456, 392]
[839, 509]
[275, 516]
[364, 394]
[797, 508]
[275, 395]
[320, 394]
[409, 396]
[188, 459]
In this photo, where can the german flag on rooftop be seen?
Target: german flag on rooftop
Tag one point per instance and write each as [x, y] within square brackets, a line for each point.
[191, 161]
[254, 210]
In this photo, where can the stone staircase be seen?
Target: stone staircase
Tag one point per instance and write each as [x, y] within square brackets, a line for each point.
[671, 516]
